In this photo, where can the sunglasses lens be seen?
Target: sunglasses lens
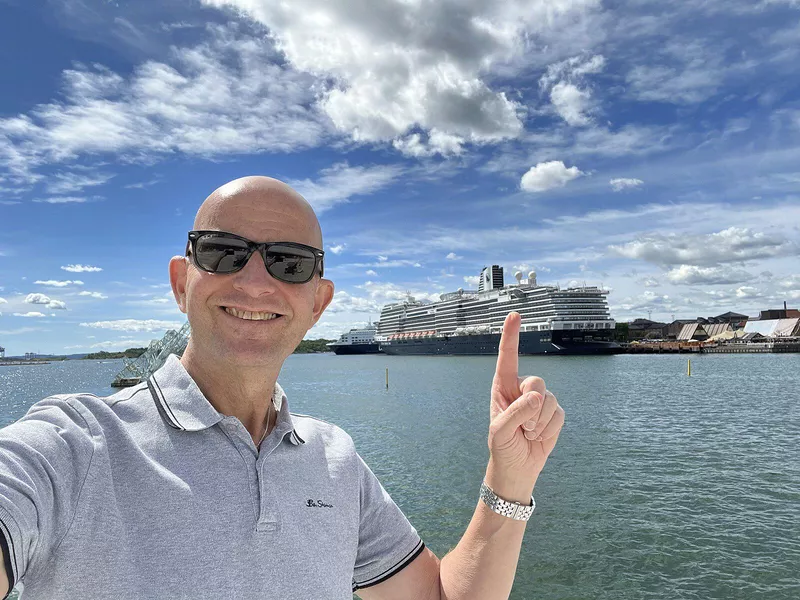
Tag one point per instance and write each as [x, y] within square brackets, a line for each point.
[220, 254]
[290, 264]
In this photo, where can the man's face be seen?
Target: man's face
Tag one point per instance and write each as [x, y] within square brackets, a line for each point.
[207, 298]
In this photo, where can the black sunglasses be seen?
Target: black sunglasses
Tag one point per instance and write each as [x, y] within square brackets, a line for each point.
[222, 252]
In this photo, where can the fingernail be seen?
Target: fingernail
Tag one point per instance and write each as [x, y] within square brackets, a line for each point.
[529, 425]
[538, 439]
[529, 435]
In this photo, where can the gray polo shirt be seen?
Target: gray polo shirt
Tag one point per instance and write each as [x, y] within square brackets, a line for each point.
[151, 493]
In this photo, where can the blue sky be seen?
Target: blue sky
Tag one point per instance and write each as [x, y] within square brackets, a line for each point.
[646, 146]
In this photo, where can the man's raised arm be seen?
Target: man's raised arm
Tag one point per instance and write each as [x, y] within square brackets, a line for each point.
[525, 423]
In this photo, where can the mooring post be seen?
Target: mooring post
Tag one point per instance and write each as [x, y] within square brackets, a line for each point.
[387, 378]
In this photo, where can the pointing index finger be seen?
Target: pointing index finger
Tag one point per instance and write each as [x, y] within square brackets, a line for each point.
[508, 353]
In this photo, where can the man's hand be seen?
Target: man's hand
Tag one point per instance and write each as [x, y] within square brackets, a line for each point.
[525, 422]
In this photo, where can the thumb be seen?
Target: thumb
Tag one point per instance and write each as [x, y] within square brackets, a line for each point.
[525, 408]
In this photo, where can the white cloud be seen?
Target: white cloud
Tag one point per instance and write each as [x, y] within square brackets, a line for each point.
[30, 314]
[120, 345]
[340, 182]
[371, 273]
[347, 303]
[135, 325]
[571, 103]
[453, 256]
[224, 96]
[693, 275]
[98, 295]
[337, 249]
[624, 183]
[55, 283]
[438, 142]
[472, 280]
[395, 66]
[62, 200]
[68, 183]
[3, 301]
[37, 299]
[45, 301]
[730, 245]
[548, 175]
[81, 269]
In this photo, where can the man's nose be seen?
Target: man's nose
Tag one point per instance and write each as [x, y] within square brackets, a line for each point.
[254, 279]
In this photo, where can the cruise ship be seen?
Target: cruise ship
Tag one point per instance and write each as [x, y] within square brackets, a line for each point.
[357, 341]
[555, 320]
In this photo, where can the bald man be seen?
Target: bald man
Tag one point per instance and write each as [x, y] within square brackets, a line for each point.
[199, 483]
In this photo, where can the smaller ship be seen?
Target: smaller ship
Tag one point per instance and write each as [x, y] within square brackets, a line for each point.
[357, 341]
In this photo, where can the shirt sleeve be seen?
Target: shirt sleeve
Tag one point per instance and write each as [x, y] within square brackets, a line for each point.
[387, 542]
[44, 460]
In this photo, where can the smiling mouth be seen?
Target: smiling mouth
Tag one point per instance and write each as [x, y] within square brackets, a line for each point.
[247, 315]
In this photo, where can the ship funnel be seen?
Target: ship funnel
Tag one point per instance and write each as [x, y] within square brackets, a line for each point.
[532, 278]
[518, 277]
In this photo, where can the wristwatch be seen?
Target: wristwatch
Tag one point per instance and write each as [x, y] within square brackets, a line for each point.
[512, 510]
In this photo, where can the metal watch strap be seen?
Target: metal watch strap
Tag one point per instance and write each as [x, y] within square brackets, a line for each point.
[512, 510]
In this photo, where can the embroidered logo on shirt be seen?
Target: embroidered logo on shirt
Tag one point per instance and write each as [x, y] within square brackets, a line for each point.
[318, 504]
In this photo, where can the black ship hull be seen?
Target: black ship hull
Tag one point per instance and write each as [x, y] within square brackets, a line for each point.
[356, 348]
[530, 342]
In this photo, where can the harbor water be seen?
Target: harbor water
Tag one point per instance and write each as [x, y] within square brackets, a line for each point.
[661, 486]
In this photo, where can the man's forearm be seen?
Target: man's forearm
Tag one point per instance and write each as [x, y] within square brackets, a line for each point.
[483, 564]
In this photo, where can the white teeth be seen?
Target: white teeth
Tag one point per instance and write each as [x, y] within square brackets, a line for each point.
[250, 315]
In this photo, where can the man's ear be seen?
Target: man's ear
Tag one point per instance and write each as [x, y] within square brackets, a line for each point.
[322, 298]
[178, 266]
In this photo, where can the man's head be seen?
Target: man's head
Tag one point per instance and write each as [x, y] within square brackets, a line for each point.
[260, 209]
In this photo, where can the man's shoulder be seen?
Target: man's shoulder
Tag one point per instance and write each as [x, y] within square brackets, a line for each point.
[313, 429]
[93, 407]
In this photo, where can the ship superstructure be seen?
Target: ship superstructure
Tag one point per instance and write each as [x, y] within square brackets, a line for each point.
[574, 320]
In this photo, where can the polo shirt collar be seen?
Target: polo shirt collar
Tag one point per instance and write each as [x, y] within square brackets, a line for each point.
[183, 406]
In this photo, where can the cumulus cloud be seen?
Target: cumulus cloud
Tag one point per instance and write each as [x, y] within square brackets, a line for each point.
[3, 301]
[624, 183]
[693, 275]
[45, 301]
[571, 102]
[97, 295]
[473, 280]
[55, 283]
[81, 269]
[548, 175]
[337, 249]
[37, 299]
[371, 273]
[347, 303]
[453, 256]
[397, 66]
[730, 245]
[337, 184]
[135, 325]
